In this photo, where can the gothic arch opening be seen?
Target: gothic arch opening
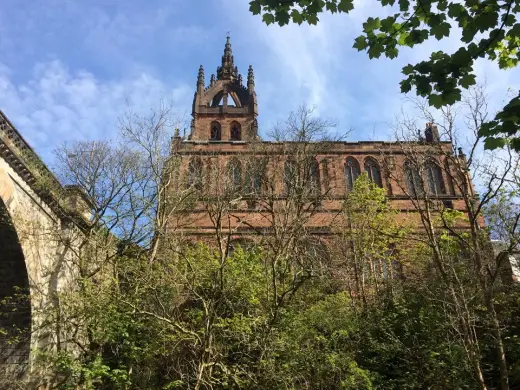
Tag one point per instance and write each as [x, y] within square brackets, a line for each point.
[194, 174]
[373, 171]
[434, 178]
[414, 181]
[15, 304]
[234, 175]
[231, 98]
[235, 131]
[351, 172]
[215, 131]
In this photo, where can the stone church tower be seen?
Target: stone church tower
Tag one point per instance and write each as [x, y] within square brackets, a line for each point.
[226, 110]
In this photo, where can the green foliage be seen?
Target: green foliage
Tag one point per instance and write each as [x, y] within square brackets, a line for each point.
[409, 344]
[152, 325]
[489, 30]
[313, 346]
[201, 319]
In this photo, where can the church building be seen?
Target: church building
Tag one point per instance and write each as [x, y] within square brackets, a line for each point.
[229, 169]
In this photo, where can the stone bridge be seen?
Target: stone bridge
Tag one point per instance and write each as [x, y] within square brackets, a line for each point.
[34, 263]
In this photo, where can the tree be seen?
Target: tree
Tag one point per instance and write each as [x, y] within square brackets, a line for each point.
[452, 236]
[368, 237]
[490, 30]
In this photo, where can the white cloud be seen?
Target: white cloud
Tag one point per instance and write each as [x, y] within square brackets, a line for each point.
[58, 105]
[318, 65]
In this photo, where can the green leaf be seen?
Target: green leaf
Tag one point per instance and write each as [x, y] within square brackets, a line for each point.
[435, 100]
[346, 6]
[375, 50]
[467, 81]
[441, 30]
[330, 6]
[461, 57]
[402, 39]
[492, 143]
[407, 69]
[312, 19]
[455, 10]
[371, 24]
[296, 16]
[282, 17]
[392, 52]
[406, 86]
[360, 43]
[255, 7]
[387, 24]
[268, 18]
[515, 144]
[404, 5]
[487, 128]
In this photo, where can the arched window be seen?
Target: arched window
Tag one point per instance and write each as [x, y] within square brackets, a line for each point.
[314, 177]
[434, 178]
[236, 131]
[373, 171]
[325, 170]
[290, 175]
[351, 172]
[254, 176]
[235, 174]
[195, 174]
[413, 180]
[215, 131]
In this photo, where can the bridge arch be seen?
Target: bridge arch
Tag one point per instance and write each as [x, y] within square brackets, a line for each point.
[15, 339]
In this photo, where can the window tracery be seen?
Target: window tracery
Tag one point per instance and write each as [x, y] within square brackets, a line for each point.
[373, 171]
[351, 172]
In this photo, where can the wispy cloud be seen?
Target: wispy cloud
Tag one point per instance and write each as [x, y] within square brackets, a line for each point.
[70, 67]
[56, 105]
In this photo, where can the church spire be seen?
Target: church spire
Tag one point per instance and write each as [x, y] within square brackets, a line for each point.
[228, 70]
[200, 80]
[200, 77]
[250, 79]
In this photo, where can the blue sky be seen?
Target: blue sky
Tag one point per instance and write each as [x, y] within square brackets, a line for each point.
[69, 68]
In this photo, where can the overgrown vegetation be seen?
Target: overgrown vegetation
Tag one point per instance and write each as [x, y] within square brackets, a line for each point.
[393, 303]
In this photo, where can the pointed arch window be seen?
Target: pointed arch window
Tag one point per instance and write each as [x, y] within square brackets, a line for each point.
[325, 174]
[413, 179]
[236, 131]
[373, 171]
[215, 131]
[434, 178]
[254, 177]
[314, 177]
[290, 174]
[351, 172]
[235, 174]
[195, 174]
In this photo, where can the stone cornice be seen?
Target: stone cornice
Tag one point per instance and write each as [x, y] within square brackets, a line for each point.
[26, 163]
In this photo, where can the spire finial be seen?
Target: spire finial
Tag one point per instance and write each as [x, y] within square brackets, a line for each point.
[228, 70]
[250, 79]
[200, 77]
